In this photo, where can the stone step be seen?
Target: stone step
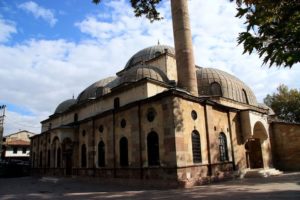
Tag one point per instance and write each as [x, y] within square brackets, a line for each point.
[260, 173]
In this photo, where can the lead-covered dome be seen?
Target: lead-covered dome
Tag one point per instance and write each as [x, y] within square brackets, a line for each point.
[97, 89]
[148, 54]
[65, 105]
[141, 71]
[214, 82]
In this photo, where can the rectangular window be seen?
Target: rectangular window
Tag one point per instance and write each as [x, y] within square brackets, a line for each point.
[24, 149]
[15, 150]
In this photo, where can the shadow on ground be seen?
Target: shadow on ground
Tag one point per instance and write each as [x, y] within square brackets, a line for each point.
[282, 187]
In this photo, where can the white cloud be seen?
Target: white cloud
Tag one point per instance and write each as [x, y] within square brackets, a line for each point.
[48, 72]
[39, 12]
[7, 28]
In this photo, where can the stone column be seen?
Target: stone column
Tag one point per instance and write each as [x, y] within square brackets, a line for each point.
[186, 69]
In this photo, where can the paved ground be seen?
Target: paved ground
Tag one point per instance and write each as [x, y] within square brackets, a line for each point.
[282, 187]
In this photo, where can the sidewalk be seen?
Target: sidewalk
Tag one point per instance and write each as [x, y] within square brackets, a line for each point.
[283, 187]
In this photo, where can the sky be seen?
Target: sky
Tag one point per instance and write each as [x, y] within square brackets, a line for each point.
[52, 50]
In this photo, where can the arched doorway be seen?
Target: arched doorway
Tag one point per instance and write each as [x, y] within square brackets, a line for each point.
[253, 146]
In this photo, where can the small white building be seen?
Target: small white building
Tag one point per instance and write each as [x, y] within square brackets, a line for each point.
[17, 146]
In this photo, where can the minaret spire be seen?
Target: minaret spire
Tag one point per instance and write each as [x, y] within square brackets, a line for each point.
[186, 69]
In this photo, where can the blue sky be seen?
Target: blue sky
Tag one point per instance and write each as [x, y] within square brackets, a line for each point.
[52, 50]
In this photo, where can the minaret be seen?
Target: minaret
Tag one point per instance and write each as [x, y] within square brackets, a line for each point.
[186, 69]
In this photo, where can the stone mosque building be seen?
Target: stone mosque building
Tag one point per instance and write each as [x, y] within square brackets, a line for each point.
[140, 125]
[163, 118]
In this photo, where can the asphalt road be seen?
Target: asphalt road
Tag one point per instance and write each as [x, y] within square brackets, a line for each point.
[286, 186]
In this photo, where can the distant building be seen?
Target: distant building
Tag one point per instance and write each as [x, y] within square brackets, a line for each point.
[16, 146]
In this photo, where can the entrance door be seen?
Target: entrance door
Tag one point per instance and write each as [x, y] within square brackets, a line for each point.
[254, 154]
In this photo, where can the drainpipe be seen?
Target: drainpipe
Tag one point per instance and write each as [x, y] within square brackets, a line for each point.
[230, 134]
[207, 140]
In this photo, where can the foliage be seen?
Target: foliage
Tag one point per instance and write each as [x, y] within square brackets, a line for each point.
[144, 7]
[272, 29]
[285, 103]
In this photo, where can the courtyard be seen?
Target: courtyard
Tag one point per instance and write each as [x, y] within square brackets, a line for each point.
[286, 186]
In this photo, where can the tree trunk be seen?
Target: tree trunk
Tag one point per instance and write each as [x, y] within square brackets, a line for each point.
[186, 69]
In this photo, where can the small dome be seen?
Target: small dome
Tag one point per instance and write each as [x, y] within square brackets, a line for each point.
[65, 105]
[97, 89]
[216, 82]
[149, 53]
[143, 71]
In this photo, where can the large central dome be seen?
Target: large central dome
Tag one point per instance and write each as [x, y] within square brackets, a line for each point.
[148, 54]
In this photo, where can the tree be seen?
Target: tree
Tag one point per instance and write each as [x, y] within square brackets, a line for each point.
[272, 29]
[144, 7]
[285, 103]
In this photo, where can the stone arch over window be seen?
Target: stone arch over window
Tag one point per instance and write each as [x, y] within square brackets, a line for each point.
[216, 89]
[123, 151]
[196, 147]
[58, 157]
[101, 154]
[83, 156]
[245, 97]
[223, 149]
[153, 148]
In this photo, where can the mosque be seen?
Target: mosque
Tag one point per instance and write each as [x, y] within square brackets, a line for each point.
[141, 125]
[164, 119]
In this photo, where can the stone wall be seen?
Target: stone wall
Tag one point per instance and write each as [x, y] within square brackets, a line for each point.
[286, 146]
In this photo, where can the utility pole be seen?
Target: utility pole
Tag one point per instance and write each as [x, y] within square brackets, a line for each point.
[2, 115]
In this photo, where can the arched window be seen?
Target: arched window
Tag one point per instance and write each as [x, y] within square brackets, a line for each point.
[48, 163]
[117, 103]
[101, 154]
[245, 97]
[41, 158]
[58, 157]
[223, 150]
[123, 151]
[196, 146]
[215, 89]
[83, 155]
[153, 149]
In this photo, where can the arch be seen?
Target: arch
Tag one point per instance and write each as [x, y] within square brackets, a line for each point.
[123, 152]
[196, 147]
[216, 89]
[153, 148]
[55, 139]
[223, 149]
[83, 156]
[58, 161]
[101, 154]
[260, 132]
